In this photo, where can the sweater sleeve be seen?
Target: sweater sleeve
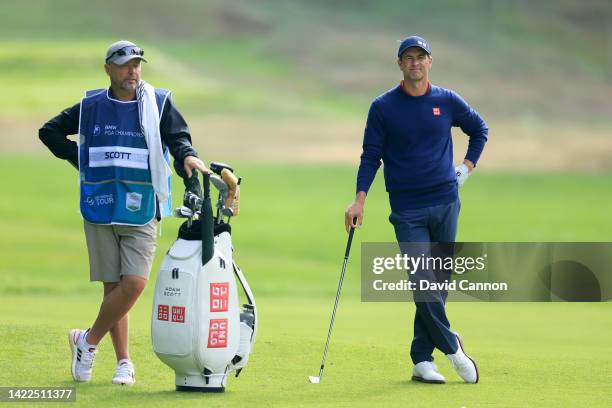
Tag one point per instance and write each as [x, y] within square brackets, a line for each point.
[472, 124]
[373, 147]
[175, 134]
[54, 134]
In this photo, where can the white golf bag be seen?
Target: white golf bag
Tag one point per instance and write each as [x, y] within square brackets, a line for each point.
[198, 328]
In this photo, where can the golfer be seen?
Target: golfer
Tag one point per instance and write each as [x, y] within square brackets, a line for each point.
[125, 133]
[409, 129]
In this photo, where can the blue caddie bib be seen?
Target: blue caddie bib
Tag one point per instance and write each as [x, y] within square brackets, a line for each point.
[114, 169]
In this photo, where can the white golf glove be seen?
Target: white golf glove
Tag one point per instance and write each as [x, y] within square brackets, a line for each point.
[462, 173]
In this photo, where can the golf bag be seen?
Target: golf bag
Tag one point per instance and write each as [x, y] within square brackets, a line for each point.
[198, 328]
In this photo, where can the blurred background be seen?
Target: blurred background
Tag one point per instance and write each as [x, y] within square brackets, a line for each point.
[280, 90]
[291, 81]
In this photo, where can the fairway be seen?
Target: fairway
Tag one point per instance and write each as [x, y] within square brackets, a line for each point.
[281, 91]
[289, 241]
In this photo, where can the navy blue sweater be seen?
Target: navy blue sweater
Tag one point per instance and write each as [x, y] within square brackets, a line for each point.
[412, 136]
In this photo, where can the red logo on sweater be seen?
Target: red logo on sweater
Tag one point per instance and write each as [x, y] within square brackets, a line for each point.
[436, 111]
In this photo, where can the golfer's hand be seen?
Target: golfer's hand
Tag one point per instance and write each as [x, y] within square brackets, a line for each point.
[354, 210]
[463, 171]
[193, 163]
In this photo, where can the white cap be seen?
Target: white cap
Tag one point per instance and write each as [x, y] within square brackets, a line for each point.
[122, 51]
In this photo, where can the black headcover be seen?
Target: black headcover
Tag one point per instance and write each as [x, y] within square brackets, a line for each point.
[194, 232]
[206, 222]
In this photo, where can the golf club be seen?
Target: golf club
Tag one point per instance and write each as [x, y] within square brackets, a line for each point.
[317, 379]
[222, 187]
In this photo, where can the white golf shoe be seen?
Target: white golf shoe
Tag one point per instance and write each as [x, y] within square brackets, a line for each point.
[82, 357]
[463, 364]
[427, 372]
[124, 373]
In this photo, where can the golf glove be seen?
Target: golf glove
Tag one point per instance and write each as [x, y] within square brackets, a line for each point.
[462, 173]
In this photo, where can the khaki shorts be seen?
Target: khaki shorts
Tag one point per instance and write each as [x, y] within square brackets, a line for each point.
[117, 250]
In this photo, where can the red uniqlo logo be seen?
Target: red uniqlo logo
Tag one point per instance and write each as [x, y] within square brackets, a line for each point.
[219, 296]
[162, 312]
[436, 111]
[178, 314]
[217, 333]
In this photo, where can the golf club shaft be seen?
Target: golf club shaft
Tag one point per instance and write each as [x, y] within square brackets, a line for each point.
[331, 324]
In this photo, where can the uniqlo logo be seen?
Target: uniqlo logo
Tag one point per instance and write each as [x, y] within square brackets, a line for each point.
[219, 296]
[178, 314]
[162, 312]
[436, 111]
[217, 333]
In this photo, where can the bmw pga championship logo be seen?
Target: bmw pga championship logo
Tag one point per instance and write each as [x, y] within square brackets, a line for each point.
[96, 131]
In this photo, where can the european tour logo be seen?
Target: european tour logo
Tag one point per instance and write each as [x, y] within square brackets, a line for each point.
[436, 111]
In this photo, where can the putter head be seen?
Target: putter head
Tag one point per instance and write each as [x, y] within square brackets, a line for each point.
[314, 379]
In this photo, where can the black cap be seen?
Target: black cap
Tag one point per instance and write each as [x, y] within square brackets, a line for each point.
[413, 41]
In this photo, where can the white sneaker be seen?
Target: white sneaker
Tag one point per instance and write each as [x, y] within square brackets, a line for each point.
[463, 364]
[427, 372]
[125, 373]
[82, 357]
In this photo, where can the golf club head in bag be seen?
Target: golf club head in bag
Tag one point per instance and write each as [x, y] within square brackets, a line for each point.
[192, 199]
[221, 187]
[217, 167]
[198, 327]
[232, 203]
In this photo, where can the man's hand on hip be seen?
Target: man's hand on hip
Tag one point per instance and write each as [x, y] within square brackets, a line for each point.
[463, 171]
[355, 210]
[193, 163]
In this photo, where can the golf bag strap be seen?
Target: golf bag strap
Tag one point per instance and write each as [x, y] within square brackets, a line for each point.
[245, 285]
[249, 295]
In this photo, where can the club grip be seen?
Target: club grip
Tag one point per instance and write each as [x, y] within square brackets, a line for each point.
[350, 238]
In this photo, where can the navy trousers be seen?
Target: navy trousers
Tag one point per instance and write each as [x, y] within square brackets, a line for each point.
[431, 326]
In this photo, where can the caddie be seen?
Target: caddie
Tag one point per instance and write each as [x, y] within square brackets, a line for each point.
[125, 136]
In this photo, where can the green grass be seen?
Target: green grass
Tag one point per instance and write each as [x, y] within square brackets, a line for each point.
[308, 60]
[289, 240]
[45, 76]
[530, 355]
